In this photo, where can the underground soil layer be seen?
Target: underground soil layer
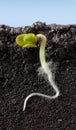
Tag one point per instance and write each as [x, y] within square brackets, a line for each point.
[19, 77]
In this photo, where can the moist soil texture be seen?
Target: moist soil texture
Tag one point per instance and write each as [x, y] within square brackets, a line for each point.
[19, 77]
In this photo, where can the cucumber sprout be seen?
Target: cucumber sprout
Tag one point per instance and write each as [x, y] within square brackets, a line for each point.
[30, 40]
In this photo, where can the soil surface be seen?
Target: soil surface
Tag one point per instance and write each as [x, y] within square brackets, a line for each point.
[19, 78]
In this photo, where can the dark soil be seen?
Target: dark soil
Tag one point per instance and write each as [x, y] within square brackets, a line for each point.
[19, 77]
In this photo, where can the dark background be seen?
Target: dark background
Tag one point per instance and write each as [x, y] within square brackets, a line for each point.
[19, 78]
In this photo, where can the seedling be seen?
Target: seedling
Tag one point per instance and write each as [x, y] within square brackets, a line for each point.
[29, 41]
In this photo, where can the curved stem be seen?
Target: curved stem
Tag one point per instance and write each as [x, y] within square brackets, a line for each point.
[46, 70]
[42, 50]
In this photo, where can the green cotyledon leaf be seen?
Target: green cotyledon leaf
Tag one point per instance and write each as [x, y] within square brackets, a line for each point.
[27, 40]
